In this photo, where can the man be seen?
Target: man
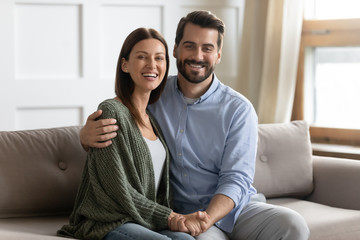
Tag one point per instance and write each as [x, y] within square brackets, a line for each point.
[211, 131]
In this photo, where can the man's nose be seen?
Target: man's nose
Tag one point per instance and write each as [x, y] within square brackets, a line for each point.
[198, 54]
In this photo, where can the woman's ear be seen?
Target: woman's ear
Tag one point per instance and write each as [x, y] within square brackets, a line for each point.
[124, 66]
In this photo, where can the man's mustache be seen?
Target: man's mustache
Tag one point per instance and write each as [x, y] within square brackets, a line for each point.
[196, 63]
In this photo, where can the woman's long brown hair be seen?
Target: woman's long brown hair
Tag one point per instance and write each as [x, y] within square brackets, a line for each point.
[124, 85]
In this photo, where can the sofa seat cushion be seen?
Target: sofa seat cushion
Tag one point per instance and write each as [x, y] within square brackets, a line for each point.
[325, 222]
[35, 228]
[284, 160]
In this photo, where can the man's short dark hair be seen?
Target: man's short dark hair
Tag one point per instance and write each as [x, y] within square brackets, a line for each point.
[204, 19]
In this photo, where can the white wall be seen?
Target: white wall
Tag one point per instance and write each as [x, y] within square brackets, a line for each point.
[58, 57]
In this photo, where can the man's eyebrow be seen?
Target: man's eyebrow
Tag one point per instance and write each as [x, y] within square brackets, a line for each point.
[209, 45]
[188, 42]
[204, 45]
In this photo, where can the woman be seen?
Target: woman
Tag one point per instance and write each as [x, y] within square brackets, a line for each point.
[125, 190]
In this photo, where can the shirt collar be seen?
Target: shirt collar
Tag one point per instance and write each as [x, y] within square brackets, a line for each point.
[214, 85]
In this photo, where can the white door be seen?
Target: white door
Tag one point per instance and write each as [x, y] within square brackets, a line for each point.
[58, 57]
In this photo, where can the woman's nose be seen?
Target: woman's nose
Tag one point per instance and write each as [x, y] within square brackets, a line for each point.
[151, 64]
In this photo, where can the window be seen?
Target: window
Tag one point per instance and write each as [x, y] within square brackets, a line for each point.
[332, 87]
[328, 84]
[331, 9]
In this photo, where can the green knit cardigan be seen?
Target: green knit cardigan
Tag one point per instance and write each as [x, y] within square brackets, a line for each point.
[118, 183]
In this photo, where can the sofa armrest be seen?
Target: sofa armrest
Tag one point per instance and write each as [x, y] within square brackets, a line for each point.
[336, 182]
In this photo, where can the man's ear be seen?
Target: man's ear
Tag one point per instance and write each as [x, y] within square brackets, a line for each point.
[124, 66]
[219, 56]
[175, 51]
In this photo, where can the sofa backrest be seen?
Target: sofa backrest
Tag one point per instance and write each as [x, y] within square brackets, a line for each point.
[40, 171]
[284, 160]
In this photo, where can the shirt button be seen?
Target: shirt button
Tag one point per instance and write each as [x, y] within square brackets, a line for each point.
[182, 130]
[180, 154]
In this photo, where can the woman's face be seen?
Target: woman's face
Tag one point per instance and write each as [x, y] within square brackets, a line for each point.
[146, 64]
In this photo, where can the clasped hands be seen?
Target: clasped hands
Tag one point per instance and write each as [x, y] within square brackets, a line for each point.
[194, 223]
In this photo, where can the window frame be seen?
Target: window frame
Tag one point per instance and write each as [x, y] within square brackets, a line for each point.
[318, 33]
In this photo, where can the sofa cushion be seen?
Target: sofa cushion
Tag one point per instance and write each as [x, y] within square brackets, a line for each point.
[283, 161]
[40, 171]
[32, 228]
[325, 222]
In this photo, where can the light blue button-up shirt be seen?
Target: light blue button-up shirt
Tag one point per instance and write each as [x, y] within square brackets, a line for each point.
[213, 144]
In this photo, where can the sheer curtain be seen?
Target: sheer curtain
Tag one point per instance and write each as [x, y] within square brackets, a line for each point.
[269, 57]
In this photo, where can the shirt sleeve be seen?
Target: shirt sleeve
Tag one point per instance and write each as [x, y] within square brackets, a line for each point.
[121, 181]
[238, 163]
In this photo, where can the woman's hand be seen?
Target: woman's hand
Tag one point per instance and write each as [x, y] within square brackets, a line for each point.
[194, 223]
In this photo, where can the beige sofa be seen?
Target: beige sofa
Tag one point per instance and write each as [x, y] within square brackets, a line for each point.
[40, 171]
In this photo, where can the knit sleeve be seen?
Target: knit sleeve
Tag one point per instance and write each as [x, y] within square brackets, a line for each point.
[121, 178]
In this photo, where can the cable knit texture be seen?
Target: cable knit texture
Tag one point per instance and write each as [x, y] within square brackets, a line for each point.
[118, 183]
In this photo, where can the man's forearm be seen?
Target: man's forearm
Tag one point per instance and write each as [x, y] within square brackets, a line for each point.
[196, 223]
[220, 205]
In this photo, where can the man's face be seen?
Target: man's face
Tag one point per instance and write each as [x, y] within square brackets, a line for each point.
[197, 53]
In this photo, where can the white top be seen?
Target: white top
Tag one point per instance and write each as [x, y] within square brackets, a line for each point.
[190, 100]
[158, 156]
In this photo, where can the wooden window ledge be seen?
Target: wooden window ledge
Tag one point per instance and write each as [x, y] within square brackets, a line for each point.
[334, 150]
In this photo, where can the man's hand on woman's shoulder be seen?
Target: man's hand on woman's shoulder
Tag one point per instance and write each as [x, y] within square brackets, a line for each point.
[98, 133]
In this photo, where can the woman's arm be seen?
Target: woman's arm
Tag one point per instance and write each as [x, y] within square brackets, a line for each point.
[120, 176]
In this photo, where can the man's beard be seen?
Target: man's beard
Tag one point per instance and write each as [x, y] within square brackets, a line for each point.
[194, 76]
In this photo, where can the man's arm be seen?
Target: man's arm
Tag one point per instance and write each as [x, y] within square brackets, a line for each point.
[97, 133]
[199, 222]
[220, 205]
